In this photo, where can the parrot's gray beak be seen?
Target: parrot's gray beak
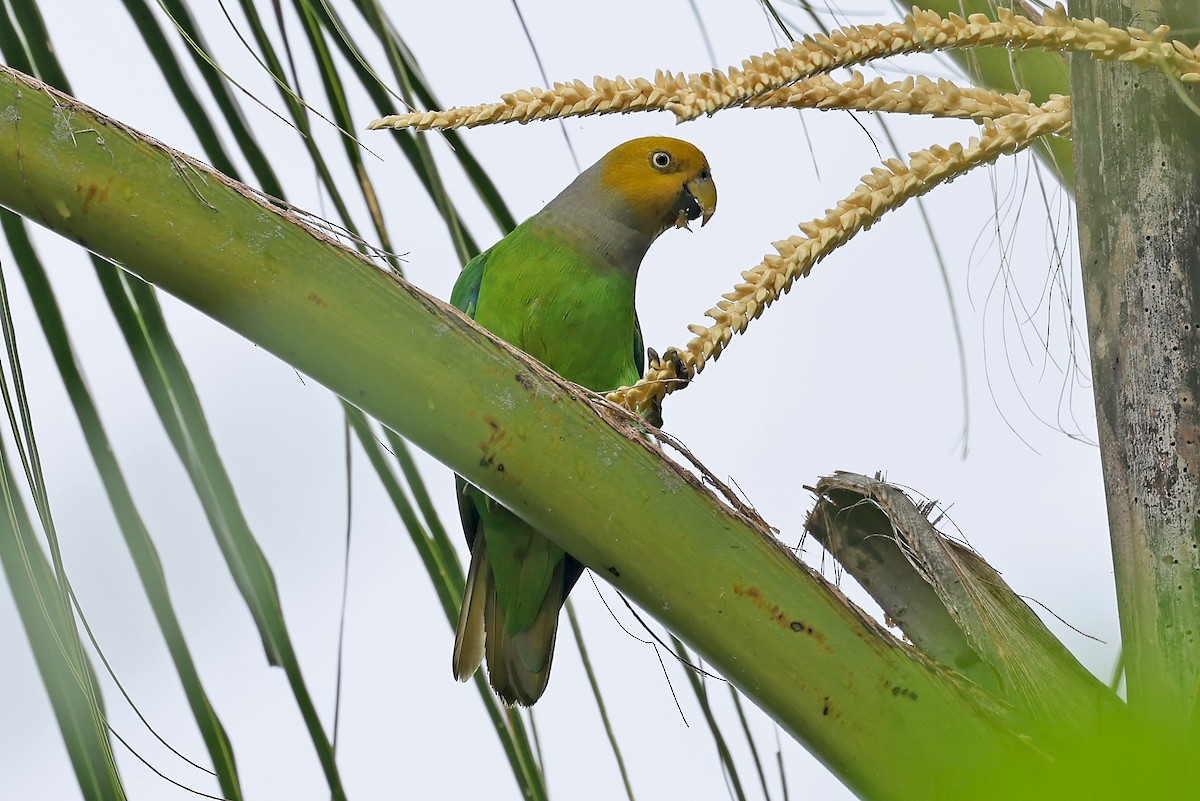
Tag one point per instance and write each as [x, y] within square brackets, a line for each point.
[698, 200]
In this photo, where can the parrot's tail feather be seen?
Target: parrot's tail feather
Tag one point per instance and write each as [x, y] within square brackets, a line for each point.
[519, 665]
[531, 652]
[470, 634]
[534, 647]
[495, 620]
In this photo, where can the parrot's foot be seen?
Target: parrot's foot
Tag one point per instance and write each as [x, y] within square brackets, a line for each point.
[682, 377]
[654, 413]
[673, 358]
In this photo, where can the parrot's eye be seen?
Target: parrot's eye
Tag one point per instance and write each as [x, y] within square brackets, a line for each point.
[661, 159]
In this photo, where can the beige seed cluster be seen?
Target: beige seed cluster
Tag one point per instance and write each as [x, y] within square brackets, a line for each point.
[574, 99]
[886, 188]
[913, 95]
[706, 93]
[927, 30]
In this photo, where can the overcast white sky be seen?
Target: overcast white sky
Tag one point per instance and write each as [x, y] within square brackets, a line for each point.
[856, 369]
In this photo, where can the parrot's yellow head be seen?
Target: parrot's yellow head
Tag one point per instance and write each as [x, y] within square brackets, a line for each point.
[665, 182]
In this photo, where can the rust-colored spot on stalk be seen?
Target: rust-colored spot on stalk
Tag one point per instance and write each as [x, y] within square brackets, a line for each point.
[92, 193]
[493, 444]
[781, 619]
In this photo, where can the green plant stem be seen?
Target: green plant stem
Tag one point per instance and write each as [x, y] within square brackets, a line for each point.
[882, 718]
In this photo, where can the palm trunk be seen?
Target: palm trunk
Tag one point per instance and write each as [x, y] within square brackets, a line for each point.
[1139, 234]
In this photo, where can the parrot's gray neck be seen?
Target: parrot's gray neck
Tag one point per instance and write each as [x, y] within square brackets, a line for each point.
[599, 223]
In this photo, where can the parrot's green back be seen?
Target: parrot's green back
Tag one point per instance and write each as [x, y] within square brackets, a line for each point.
[561, 288]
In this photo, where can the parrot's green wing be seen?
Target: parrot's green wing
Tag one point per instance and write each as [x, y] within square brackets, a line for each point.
[465, 295]
[639, 347]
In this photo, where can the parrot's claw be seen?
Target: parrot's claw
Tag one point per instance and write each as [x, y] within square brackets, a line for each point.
[653, 415]
[683, 373]
[683, 376]
[672, 357]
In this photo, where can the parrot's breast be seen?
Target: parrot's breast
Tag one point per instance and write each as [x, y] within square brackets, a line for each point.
[566, 307]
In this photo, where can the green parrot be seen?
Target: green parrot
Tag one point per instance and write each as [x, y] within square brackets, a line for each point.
[561, 288]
